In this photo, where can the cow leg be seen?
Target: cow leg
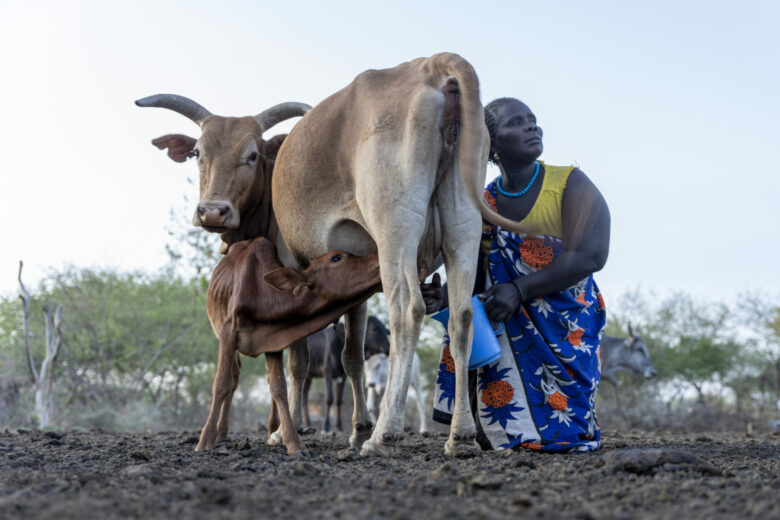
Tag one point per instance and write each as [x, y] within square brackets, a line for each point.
[278, 386]
[222, 425]
[339, 399]
[223, 387]
[461, 232]
[328, 399]
[352, 360]
[306, 388]
[400, 283]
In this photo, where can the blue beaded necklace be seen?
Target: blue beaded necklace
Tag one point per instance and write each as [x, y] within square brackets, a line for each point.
[519, 193]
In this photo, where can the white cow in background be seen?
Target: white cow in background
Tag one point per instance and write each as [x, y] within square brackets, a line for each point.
[376, 369]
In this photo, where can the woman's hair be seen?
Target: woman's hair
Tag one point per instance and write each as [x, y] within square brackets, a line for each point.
[491, 120]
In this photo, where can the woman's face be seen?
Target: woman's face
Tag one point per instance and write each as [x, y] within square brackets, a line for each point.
[518, 138]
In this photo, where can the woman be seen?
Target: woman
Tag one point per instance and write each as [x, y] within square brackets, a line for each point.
[541, 392]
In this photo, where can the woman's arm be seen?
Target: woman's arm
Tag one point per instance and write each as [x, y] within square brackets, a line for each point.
[586, 227]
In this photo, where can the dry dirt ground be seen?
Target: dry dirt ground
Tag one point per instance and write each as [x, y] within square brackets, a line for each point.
[636, 475]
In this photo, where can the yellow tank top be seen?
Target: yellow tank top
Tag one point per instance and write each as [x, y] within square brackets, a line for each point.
[545, 216]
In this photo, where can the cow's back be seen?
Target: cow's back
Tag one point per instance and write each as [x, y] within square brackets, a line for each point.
[368, 121]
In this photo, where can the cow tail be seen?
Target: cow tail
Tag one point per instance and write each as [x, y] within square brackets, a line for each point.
[473, 141]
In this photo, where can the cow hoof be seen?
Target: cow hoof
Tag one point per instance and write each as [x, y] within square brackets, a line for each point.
[461, 448]
[361, 432]
[275, 438]
[206, 442]
[377, 449]
[307, 431]
[301, 454]
[204, 446]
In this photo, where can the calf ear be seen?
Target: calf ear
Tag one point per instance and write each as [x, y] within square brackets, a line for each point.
[179, 146]
[286, 279]
[271, 147]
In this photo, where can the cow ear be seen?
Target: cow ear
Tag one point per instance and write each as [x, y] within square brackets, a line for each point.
[286, 279]
[180, 147]
[271, 147]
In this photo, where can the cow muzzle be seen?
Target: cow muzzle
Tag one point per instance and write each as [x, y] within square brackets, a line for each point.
[650, 374]
[216, 216]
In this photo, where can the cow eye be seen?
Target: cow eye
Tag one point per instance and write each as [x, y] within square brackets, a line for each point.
[196, 153]
[335, 258]
[252, 158]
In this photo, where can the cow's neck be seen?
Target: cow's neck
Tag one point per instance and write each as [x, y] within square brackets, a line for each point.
[259, 221]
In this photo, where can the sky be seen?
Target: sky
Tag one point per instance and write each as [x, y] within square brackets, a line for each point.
[669, 107]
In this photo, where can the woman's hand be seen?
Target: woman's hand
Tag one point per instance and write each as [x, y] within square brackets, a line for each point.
[501, 301]
[432, 294]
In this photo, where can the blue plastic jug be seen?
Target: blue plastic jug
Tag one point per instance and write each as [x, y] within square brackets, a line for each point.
[485, 347]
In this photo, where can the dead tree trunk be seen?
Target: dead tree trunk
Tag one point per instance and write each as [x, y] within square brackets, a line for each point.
[42, 379]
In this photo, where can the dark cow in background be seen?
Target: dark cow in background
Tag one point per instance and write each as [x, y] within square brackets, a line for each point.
[325, 351]
[257, 306]
[629, 354]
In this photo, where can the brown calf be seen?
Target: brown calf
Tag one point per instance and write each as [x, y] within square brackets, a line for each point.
[257, 306]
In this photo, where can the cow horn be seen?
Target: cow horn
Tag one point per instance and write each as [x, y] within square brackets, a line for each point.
[278, 113]
[185, 106]
[630, 330]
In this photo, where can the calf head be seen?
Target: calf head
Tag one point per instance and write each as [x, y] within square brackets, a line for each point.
[376, 372]
[637, 357]
[333, 277]
[235, 162]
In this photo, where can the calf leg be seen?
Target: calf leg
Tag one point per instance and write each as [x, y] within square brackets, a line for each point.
[352, 360]
[222, 425]
[223, 387]
[278, 386]
[298, 364]
[273, 422]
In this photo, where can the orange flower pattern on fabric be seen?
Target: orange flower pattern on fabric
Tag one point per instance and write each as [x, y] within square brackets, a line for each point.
[491, 200]
[558, 401]
[601, 305]
[448, 360]
[575, 336]
[536, 253]
[532, 446]
[497, 394]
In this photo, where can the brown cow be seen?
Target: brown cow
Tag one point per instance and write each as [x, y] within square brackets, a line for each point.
[257, 306]
[235, 164]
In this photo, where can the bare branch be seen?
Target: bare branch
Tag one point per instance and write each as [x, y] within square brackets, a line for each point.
[165, 347]
[25, 297]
